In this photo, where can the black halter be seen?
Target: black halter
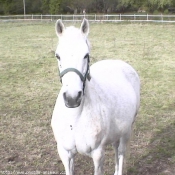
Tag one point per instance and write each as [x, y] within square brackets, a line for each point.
[83, 78]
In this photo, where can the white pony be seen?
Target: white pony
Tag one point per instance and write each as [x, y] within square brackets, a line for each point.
[96, 106]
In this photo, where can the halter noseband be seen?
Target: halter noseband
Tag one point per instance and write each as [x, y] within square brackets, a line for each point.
[83, 78]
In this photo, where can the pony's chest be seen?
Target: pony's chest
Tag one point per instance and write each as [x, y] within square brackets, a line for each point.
[83, 134]
[82, 139]
[87, 136]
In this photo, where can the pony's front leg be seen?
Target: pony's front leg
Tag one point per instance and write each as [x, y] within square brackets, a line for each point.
[98, 158]
[67, 158]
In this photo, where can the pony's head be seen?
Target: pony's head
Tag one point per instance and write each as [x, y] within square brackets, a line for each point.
[73, 61]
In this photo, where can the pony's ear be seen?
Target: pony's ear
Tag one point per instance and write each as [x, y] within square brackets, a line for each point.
[59, 27]
[85, 27]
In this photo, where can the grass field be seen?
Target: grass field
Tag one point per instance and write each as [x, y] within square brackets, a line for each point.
[29, 85]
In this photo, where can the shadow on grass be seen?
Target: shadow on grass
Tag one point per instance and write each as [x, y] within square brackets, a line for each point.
[160, 159]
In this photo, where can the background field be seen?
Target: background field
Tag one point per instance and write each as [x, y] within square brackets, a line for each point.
[29, 85]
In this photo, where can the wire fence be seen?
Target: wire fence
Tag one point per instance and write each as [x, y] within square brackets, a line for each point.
[94, 18]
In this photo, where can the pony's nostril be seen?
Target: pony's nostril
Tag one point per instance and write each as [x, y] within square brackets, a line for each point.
[79, 95]
[72, 102]
[64, 95]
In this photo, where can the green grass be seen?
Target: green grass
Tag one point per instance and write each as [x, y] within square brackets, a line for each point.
[29, 85]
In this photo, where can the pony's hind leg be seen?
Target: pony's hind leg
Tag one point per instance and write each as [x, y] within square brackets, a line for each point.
[120, 152]
[115, 146]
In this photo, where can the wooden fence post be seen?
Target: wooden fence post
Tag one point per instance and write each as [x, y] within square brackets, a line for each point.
[161, 17]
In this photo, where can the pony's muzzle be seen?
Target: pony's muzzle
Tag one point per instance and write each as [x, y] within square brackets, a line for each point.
[72, 102]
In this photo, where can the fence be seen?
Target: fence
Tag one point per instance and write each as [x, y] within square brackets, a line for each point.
[94, 18]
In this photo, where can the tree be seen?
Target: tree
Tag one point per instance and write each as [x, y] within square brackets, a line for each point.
[17, 7]
[54, 6]
[159, 5]
[45, 6]
[91, 6]
[6, 5]
[36, 6]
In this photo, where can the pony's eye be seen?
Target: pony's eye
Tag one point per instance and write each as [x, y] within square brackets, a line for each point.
[57, 56]
[86, 56]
